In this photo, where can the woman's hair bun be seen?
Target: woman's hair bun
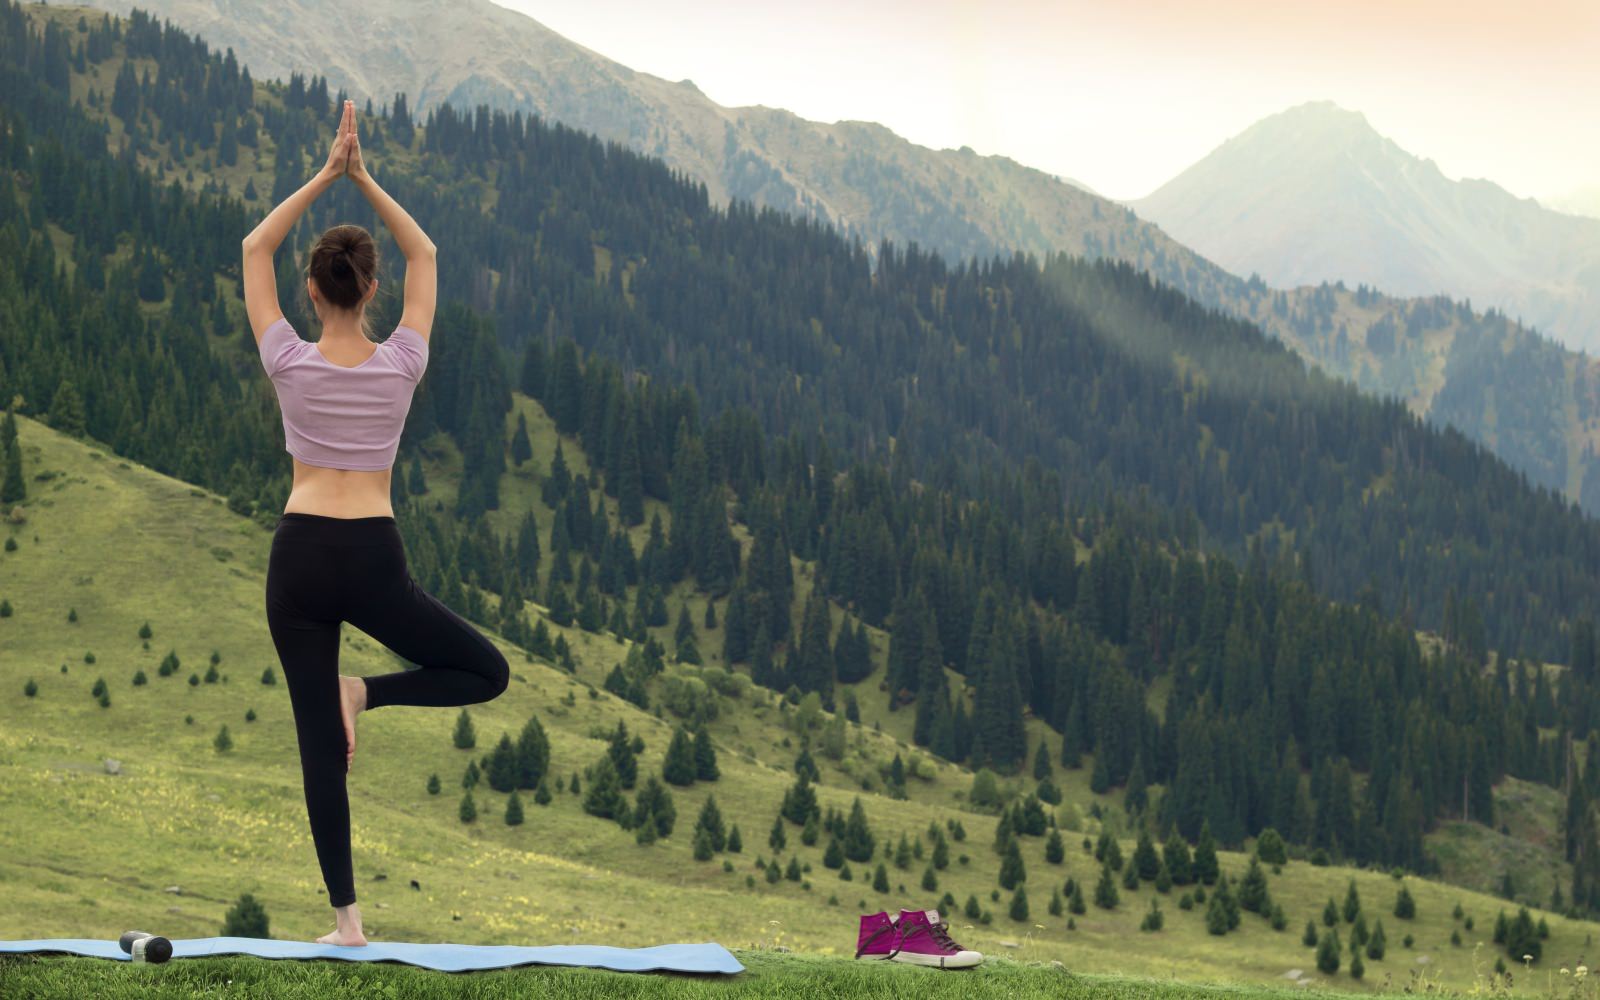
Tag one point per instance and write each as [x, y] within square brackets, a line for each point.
[344, 263]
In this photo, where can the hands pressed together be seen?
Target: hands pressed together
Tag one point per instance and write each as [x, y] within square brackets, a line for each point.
[344, 159]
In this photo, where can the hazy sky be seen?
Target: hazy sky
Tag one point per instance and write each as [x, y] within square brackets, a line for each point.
[1123, 95]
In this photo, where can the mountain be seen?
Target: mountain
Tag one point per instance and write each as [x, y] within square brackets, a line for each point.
[1315, 194]
[1042, 517]
[1105, 383]
[872, 184]
[858, 176]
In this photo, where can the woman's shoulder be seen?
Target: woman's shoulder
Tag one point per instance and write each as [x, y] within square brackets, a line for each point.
[407, 335]
[410, 349]
[278, 344]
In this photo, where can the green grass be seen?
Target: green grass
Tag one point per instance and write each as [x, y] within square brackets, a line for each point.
[767, 975]
[91, 855]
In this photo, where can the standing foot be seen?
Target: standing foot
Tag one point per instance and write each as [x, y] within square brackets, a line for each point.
[352, 700]
[349, 932]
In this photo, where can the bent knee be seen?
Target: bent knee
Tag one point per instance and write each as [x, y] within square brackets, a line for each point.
[497, 672]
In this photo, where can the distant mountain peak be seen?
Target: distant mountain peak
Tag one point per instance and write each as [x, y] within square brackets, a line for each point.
[1317, 128]
[1315, 193]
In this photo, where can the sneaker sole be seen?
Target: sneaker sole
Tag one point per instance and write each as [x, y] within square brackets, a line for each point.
[957, 961]
[879, 957]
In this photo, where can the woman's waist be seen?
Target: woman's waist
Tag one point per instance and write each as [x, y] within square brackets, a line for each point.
[339, 493]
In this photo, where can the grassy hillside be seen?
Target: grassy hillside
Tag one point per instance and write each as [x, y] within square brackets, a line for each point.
[92, 854]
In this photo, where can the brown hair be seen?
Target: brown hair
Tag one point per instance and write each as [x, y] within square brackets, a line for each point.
[343, 263]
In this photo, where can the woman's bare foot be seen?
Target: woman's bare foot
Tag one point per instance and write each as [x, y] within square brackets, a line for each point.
[349, 932]
[352, 700]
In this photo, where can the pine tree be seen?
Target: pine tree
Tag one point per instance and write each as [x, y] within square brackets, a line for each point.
[1352, 903]
[1404, 906]
[514, 810]
[1217, 915]
[1270, 847]
[1105, 891]
[1310, 937]
[1054, 850]
[679, 766]
[1175, 855]
[521, 447]
[533, 754]
[1328, 952]
[602, 795]
[858, 841]
[246, 918]
[1522, 940]
[710, 820]
[1376, 942]
[810, 832]
[735, 842]
[1253, 895]
[465, 736]
[778, 839]
[1136, 796]
[469, 809]
[223, 742]
[654, 808]
[705, 756]
[880, 879]
[1019, 904]
[833, 856]
[433, 784]
[1012, 870]
[66, 410]
[502, 771]
[1145, 859]
[1205, 857]
[620, 750]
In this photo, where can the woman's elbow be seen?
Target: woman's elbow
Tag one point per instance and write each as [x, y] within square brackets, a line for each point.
[427, 251]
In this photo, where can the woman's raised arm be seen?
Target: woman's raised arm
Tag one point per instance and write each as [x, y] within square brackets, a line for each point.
[260, 283]
[422, 271]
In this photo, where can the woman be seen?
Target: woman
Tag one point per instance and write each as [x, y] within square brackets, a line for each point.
[336, 555]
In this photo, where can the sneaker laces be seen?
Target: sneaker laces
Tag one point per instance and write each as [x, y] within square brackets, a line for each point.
[940, 932]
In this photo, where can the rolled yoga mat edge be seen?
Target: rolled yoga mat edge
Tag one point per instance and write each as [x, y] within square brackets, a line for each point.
[703, 957]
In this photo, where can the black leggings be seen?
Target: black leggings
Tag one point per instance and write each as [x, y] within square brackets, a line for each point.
[327, 570]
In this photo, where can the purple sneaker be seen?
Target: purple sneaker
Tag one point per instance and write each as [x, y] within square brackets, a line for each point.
[877, 938]
[924, 939]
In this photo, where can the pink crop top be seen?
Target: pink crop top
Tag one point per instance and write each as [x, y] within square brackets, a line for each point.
[338, 417]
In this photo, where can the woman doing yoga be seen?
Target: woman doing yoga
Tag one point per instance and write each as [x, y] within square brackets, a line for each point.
[336, 554]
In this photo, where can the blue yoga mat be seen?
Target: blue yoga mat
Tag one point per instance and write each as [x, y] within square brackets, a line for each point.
[705, 957]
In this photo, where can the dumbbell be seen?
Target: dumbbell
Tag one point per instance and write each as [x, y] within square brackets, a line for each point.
[146, 947]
